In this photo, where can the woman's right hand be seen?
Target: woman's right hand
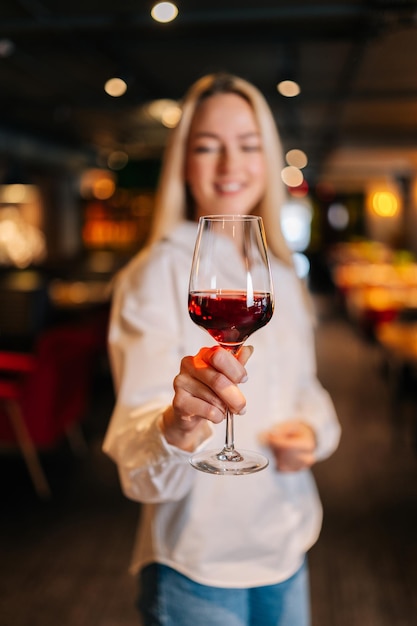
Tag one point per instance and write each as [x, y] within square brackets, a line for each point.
[205, 387]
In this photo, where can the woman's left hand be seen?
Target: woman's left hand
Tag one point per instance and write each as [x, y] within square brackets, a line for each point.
[293, 444]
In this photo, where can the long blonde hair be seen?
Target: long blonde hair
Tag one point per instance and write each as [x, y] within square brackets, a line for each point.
[171, 202]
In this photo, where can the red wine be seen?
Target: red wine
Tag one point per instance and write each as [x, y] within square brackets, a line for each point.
[228, 316]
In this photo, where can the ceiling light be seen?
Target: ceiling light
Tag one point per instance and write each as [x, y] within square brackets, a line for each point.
[292, 176]
[115, 87]
[164, 12]
[385, 203]
[288, 88]
[296, 157]
[171, 115]
[165, 111]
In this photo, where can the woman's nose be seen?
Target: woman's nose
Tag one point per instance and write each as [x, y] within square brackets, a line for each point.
[229, 159]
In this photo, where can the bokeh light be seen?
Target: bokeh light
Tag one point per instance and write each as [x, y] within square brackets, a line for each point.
[115, 87]
[297, 158]
[288, 88]
[301, 264]
[164, 12]
[292, 176]
[117, 160]
[296, 218]
[338, 216]
[385, 203]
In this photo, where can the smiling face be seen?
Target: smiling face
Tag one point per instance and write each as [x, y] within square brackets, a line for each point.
[225, 162]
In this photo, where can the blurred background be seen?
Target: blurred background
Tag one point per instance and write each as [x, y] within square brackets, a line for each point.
[88, 93]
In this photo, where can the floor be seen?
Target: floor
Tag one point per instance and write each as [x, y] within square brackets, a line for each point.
[364, 567]
[64, 562]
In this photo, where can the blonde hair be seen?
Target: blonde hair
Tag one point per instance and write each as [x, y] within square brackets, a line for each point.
[171, 202]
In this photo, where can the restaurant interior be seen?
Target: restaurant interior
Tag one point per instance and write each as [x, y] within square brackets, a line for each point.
[88, 94]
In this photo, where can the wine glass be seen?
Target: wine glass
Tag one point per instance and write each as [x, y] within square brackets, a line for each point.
[230, 296]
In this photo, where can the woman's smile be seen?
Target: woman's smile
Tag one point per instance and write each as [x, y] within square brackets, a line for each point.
[229, 187]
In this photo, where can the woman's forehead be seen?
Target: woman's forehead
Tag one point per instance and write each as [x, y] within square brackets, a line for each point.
[224, 111]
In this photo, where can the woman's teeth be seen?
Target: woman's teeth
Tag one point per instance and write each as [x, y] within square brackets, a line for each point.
[229, 187]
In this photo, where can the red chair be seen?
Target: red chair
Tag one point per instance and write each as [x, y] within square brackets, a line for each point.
[44, 396]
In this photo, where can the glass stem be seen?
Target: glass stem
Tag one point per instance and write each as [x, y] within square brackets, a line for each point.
[230, 432]
[229, 453]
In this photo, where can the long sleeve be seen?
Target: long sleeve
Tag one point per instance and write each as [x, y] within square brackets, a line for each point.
[145, 350]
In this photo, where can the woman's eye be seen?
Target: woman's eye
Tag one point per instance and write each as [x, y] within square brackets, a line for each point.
[252, 148]
[203, 149]
[214, 148]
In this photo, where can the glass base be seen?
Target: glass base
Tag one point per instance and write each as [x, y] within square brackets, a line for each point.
[231, 463]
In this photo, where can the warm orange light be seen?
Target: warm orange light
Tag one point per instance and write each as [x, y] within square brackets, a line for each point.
[97, 183]
[385, 203]
[103, 188]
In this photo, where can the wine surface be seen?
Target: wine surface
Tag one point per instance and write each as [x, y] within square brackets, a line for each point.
[230, 317]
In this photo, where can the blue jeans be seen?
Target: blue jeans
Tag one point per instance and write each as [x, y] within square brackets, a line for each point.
[167, 598]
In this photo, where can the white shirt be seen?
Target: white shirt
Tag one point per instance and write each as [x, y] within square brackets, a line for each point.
[227, 531]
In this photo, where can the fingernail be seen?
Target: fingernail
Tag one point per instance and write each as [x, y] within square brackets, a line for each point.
[243, 411]
[244, 379]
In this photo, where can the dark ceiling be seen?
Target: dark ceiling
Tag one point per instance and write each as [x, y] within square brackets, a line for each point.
[356, 62]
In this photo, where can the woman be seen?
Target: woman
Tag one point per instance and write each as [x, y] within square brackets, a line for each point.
[213, 549]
